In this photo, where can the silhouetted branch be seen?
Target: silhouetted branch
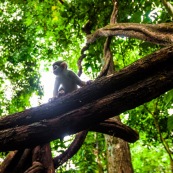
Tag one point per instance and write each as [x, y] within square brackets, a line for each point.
[72, 150]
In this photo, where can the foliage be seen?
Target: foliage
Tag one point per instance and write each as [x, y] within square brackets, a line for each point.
[19, 68]
[144, 157]
[90, 157]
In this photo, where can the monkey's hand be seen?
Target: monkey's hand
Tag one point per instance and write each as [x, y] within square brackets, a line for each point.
[52, 99]
[61, 93]
[89, 82]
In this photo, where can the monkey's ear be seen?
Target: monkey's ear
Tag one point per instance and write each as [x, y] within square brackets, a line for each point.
[58, 63]
[64, 65]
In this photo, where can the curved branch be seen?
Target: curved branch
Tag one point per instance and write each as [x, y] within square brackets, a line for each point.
[107, 58]
[108, 67]
[116, 129]
[72, 150]
[155, 33]
[83, 55]
[110, 127]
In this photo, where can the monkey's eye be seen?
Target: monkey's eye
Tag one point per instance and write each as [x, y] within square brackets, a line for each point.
[55, 67]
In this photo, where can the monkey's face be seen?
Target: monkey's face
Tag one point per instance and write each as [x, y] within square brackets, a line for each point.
[59, 67]
[57, 70]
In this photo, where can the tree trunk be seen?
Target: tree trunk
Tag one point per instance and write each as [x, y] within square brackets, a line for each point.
[118, 154]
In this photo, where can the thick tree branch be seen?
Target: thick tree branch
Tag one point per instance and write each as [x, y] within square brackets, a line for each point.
[116, 129]
[102, 87]
[144, 80]
[155, 33]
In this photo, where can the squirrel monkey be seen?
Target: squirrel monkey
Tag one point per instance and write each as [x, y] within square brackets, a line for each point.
[65, 78]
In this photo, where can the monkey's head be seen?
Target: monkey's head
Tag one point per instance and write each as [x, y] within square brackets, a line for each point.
[59, 66]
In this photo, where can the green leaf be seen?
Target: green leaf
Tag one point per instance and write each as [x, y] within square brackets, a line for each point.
[170, 123]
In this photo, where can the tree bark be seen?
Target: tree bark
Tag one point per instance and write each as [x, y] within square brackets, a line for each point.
[118, 153]
[42, 154]
[16, 161]
[9, 162]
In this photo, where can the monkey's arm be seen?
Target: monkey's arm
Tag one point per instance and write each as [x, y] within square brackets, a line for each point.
[76, 79]
[56, 87]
